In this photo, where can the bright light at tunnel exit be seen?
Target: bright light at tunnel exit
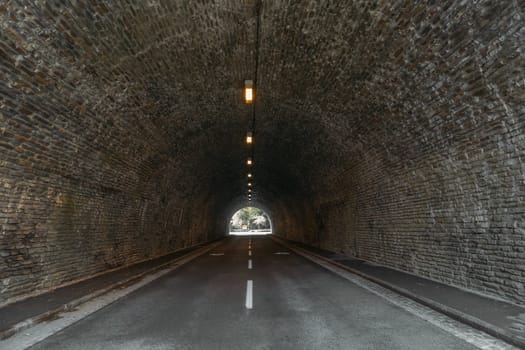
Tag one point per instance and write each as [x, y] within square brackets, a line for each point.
[250, 221]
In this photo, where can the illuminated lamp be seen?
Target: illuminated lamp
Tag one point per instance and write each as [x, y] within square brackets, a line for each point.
[248, 91]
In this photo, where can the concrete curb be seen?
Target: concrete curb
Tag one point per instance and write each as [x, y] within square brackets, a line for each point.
[450, 312]
[176, 262]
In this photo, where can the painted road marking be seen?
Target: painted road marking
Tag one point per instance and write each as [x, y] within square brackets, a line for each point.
[216, 254]
[249, 294]
[249, 253]
[282, 253]
[250, 264]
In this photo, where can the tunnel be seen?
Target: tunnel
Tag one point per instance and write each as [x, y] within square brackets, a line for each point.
[387, 131]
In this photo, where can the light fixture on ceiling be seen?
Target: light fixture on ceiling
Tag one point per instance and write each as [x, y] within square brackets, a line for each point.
[249, 161]
[249, 190]
[249, 137]
[249, 184]
[249, 175]
[248, 91]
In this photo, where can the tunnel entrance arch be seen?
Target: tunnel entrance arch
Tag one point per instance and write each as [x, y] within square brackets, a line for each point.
[250, 221]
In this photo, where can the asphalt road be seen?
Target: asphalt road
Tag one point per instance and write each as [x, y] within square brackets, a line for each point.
[295, 304]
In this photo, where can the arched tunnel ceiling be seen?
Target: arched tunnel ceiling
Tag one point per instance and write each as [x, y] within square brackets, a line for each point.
[335, 77]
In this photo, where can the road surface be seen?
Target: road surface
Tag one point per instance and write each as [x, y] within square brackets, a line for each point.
[251, 293]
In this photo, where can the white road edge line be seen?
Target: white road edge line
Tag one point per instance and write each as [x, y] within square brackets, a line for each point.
[250, 264]
[249, 294]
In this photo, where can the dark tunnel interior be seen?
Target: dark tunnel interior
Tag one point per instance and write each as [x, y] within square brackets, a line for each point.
[391, 131]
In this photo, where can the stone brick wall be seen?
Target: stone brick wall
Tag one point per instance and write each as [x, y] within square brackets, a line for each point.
[425, 106]
[88, 180]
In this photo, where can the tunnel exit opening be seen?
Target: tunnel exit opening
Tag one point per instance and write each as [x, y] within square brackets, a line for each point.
[250, 221]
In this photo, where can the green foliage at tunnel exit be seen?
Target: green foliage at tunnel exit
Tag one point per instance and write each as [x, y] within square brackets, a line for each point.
[249, 218]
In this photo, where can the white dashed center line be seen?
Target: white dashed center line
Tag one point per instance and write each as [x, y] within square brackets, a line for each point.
[249, 294]
[249, 284]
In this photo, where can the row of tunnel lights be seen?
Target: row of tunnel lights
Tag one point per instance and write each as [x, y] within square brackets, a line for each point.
[248, 99]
